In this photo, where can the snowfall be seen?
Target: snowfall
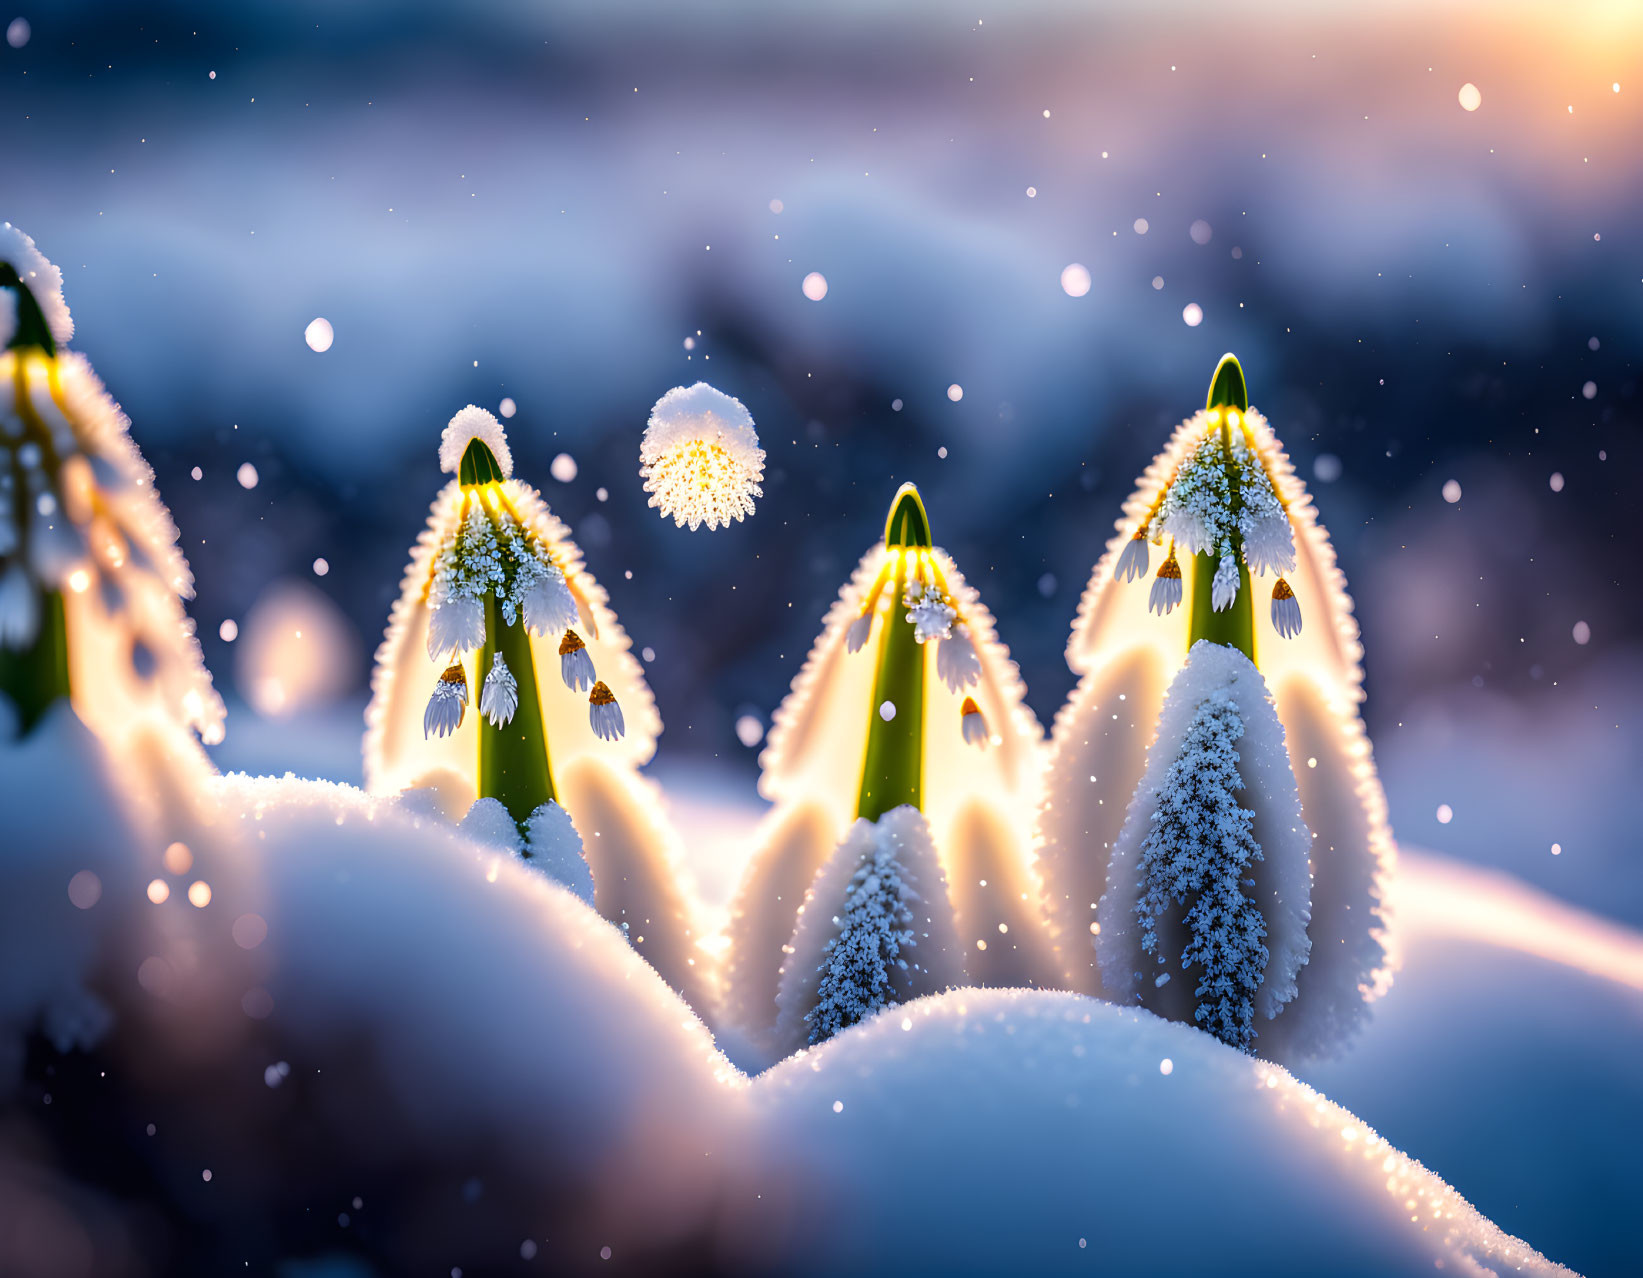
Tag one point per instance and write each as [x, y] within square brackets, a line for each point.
[368, 1028]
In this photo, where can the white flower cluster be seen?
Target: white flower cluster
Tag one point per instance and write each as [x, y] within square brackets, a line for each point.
[491, 555]
[1220, 502]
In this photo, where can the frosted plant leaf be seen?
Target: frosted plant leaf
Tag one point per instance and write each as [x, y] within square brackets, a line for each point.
[1126, 659]
[700, 457]
[553, 846]
[77, 493]
[1221, 779]
[902, 836]
[978, 788]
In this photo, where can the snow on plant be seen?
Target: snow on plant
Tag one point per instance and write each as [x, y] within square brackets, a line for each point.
[873, 724]
[1204, 916]
[875, 930]
[700, 457]
[1225, 504]
[497, 612]
[91, 580]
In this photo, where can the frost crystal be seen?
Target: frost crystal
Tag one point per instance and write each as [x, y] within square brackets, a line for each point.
[1224, 589]
[1198, 852]
[491, 555]
[875, 937]
[700, 457]
[929, 612]
[470, 424]
[499, 698]
[1197, 509]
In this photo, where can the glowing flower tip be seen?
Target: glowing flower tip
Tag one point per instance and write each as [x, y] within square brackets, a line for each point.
[471, 424]
[907, 524]
[40, 277]
[700, 457]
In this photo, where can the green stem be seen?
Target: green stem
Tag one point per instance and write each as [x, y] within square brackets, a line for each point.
[1235, 626]
[893, 768]
[37, 676]
[32, 329]
[513, 759]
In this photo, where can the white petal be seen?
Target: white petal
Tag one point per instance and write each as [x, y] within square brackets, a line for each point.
[974, 727]
[606, 720]
[549, 606]
[855, 638]
[576, 669]
[456, 626]
[1224, 589]
[499, 698]
[956, 660]
[1165, 596]
[1132, 564]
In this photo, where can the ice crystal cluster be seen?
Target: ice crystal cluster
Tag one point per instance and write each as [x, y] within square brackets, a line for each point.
[700, 458]
[91, 581]
[1197, 853]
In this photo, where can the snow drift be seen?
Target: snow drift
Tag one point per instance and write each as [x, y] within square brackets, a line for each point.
[369, 1006]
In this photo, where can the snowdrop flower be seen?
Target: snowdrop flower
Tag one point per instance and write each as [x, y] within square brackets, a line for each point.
[604, 714]
[493, 589]
[575, 666]
[1224, 589]
[447, 705]
[1166, 587]
[1286, 610]
[539, 744]
[956, 660]
[1117, 742]
[700, 457]
[931, 614]
[835, 755]
[499, 698]
[1132, 564]
[91, 582]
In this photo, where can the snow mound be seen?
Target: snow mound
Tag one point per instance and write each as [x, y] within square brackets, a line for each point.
[371, 1004]
[472, 423]
[44, 280]
[1046, 1132]
[701, 412]
[555, 848]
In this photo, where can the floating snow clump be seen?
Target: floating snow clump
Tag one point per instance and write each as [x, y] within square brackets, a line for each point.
[700, 457]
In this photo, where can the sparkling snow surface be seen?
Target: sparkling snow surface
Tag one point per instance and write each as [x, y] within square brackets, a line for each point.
[442, 1008]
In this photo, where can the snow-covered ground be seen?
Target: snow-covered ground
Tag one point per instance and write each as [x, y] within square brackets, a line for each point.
[371, 1007]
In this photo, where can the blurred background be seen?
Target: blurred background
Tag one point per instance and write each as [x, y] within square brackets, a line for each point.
[995, 252]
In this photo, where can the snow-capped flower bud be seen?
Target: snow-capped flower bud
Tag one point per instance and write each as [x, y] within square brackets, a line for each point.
[447, 705]
[1166, 587]
[19, 609]
[604, 714]
[575, 665]
[549, 605]
[957, 661]
[1224, 589]
[855, 638]
[700, 457]
[930, 613]
[972, 723]
[499, 698]
[1286, 610]
[1132, 564]
[455, 626]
